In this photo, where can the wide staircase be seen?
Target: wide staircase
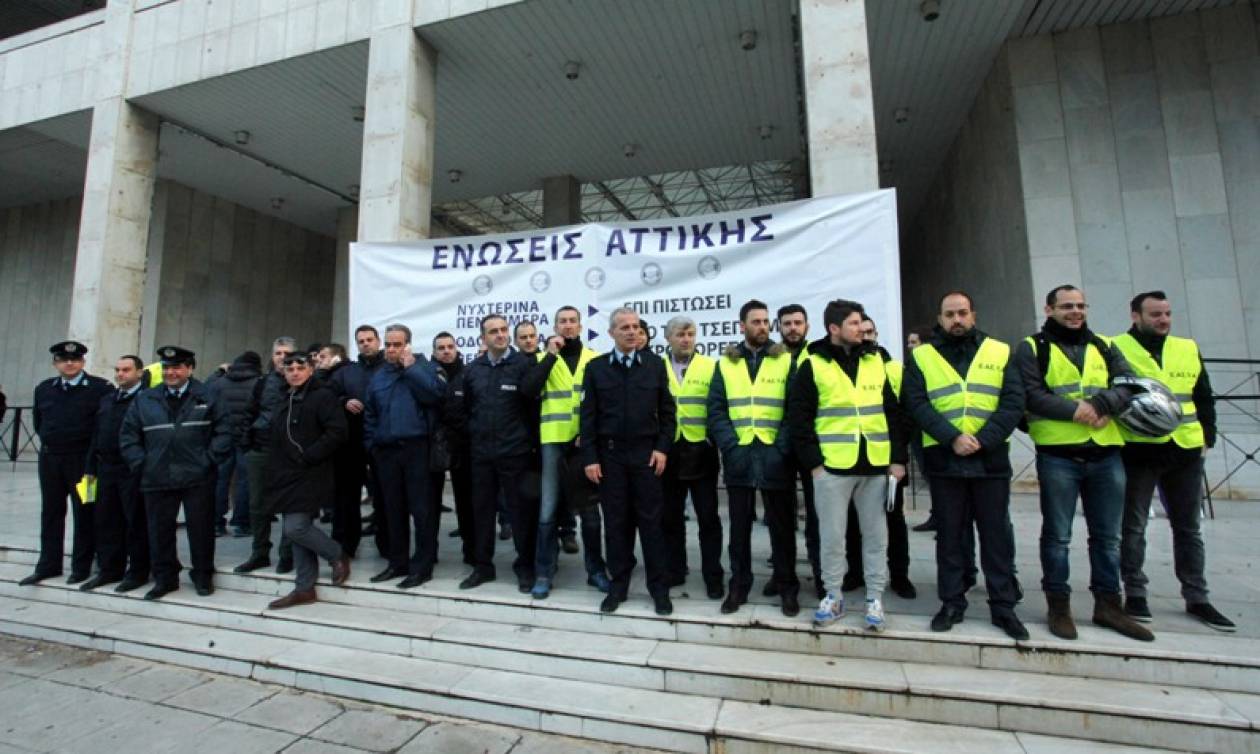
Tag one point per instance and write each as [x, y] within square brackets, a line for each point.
[696, 681]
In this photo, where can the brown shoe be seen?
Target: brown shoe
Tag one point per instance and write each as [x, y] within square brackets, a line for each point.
[1109, 613]
[292, 599]
[341, 570]
[1060, 615]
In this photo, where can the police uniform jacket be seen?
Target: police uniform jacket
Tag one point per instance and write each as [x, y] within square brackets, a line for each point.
[993, 459]
[175, 447]
[757, 465]
[631, 407]
[492, 409]
[66, 419]
[105, 452]
[308, 428]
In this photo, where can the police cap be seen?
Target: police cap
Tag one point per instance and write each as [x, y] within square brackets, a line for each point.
[68, 349]
[175, 356]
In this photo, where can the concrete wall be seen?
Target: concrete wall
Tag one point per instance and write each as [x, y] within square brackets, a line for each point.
[223, 279]
[970, 233]
[37, 244]
[1139, 149]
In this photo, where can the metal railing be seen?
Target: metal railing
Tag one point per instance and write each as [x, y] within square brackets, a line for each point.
[17, 435]
[1236, 387]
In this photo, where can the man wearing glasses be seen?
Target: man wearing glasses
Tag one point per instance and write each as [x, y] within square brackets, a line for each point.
[1067, 372]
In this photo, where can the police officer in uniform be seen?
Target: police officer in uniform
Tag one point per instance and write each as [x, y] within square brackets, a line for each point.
[628, 424]
[64, 416]
[122, 531]
[175, 436]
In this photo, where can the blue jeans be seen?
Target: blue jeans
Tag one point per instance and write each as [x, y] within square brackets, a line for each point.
[1100, 486]
[548, 548]
[240, 512]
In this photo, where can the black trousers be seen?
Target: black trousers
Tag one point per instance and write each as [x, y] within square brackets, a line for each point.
[780, 520]
[898, 540]
[122, 527]
[811, 522]
[959, 504]
[58, 473]
[461, 490]
[491, 480]
[347, 525]
[379, 519]
[704, 499]
[402, 476]
[162, 507]
[631, 499]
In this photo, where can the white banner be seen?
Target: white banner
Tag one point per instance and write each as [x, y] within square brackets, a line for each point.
[807, 252]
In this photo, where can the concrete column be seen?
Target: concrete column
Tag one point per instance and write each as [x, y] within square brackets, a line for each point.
[109, 271]
[396, 183]
[562, 201]
[839, 110]
[347, 227]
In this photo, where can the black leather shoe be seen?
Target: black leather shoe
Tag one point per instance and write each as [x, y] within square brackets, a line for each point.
[771, 589]
[76, 578]
[99, 579]
[903, 589]
[524, 585]
[715, 591]
[389, 574]
[453, 533]
[411, 582]
[789, 605]
[130, 584]
[732, 602]
[204, 590]
[610, 604]
[1011, 625]
[474, 580]
[569, 544]
[284, 566]
[946, 618]
[253, 564]
[663, 605]
[37, 577]
[929, 525]
[159, 591]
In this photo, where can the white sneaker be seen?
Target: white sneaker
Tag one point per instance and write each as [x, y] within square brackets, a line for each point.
[829, 610]
[874, 614]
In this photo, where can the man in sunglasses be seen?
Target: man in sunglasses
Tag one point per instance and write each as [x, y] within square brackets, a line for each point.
[1067, 372]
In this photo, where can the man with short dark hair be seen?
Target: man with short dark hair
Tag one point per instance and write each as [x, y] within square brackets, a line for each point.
[233, 386]
[369, 362]
[64, 417]
[346, 379]
[122, 533]
[525, 337]
[447, 358]
[746, 421]
[1173, 463]
[794, 331]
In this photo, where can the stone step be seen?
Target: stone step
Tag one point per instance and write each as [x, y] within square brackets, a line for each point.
[979, 697]
[1216, 662]
[603, 711]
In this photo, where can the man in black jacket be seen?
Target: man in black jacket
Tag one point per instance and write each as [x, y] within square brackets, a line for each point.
[64, 417]
[494, 413]
[447, 358]
[266, 400]
[347, 380]
[232, 385]
[627, 428]
[175, 436]
[122, 532]
[962, 390]
[370, 361]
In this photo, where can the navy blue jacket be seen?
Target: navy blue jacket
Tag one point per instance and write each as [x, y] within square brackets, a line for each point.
[491, 408]
[65, 419]
[175, 450]
[398, 403]
[105, 452]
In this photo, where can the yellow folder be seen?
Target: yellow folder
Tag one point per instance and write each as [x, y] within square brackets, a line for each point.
[86, 489]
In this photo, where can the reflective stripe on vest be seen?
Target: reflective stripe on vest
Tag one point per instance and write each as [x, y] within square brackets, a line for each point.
[691, 396]
[1064, 379]
[1180, 371]
[847, 412]
[562, 400]
[756, 409]
[967, 404]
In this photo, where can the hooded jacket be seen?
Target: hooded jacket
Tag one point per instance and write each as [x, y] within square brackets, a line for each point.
[234, 391]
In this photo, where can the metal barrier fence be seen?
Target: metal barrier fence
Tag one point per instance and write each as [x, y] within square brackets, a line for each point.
[17, 435]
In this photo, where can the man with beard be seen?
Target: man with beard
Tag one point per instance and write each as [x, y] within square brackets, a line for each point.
[1067, 372]
[450, 362]
[564, 367]
[961, 389]
[371, 359]
[1174, 462]
[793, 330]
[346, 380]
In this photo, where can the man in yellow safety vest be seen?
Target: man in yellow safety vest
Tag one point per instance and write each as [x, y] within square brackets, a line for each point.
[1173, 463]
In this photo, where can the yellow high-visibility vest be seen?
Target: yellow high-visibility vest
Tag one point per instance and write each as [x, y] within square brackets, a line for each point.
[848, 412]
[559, 418]
[756, 409]
[895, 369]
[691, 396]
[1179, 373]
[965, 403]
[1064, 379]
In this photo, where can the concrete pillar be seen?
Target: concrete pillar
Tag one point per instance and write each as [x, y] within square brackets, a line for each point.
[347, 227]
[562, 201]
[396, 183]
[839, 110]
[109, 270]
